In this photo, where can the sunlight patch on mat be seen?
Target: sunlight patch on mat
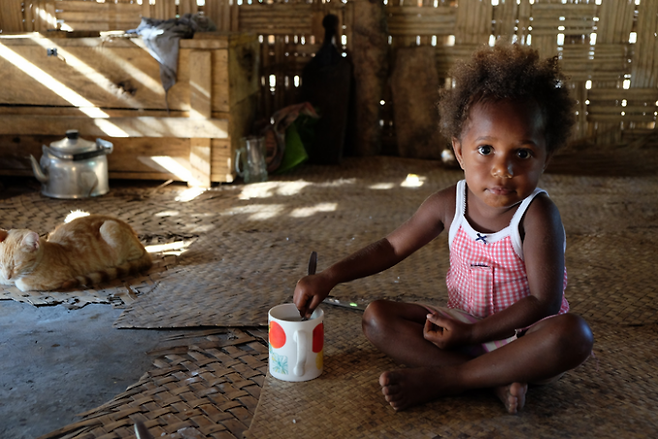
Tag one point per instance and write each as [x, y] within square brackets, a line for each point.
[413, 180]
[272, 188]
[301, 212]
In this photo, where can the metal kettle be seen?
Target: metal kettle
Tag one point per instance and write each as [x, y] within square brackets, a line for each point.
[73, 167]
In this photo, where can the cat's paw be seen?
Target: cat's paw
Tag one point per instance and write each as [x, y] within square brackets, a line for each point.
[23, 286]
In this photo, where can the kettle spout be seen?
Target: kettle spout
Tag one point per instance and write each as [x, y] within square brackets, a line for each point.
[38, 172]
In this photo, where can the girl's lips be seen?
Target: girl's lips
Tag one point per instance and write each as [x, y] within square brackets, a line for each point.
[500, 190]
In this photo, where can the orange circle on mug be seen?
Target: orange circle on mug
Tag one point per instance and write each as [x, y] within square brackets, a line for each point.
[277, 335]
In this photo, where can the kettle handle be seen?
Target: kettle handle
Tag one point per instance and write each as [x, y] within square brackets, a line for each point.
[108, 147]
[237, 162]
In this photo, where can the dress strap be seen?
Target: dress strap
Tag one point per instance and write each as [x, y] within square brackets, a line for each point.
[460, 211]
[516, 220]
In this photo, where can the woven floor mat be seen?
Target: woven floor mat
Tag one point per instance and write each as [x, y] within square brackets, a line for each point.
[119, 292]
[250, 243]
[259, 246]
[209, 389]
[605, 162]
[226, 293]
[612, 277]
[346, 400]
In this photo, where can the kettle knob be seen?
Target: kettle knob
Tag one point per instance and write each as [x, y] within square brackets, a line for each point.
[72, 134]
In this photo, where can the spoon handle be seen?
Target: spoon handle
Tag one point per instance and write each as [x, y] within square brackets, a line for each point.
[312, 265]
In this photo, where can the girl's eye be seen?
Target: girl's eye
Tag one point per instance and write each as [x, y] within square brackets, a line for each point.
[524, 154]
[485, 149]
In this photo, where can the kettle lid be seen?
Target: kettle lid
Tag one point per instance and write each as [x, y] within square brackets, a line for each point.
[73, 144]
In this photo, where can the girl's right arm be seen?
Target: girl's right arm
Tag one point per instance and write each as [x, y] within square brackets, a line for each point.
[425, 225]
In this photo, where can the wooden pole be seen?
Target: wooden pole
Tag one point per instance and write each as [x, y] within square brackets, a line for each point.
[370, 58]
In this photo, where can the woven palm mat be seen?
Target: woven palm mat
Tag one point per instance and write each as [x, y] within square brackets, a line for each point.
[155, 214]
[207, 388]
[614, 395]
[259, 246]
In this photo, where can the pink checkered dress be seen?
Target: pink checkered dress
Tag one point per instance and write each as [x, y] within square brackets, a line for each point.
[487, 271]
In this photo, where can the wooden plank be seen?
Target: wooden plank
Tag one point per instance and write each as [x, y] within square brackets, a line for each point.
[644, 69]
[147, 9]
[241, 121]
[505, 16]
[242, 70]
[109, 74]
[11, 16]
[131, 155]
[200, 162]
[188, 7]
[206, 40]
[645, 94]
[111, 112]
[473, 22]
[200, 66]
[51, 14]
[222, 159]
[220, 86]
[116, 127]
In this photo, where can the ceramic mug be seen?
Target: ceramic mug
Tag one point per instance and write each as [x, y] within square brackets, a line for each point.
[296, 346]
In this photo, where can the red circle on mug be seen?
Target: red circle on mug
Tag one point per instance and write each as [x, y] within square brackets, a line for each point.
[318, 338]
[277, 335]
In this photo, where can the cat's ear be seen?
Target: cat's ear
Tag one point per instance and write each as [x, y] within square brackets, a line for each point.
[31, 241]
[3, 235]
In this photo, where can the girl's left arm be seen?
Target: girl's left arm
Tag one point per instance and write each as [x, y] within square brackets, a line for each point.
[543, 249]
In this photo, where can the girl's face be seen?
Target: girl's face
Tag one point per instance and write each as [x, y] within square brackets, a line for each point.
[502, 151]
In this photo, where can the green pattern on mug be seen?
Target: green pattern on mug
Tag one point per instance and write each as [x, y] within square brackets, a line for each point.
[279, 363]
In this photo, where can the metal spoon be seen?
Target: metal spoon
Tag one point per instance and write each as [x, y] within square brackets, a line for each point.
[312, 265]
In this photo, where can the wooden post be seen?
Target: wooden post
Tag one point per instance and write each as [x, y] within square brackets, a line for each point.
[415, 87]
[369, 55]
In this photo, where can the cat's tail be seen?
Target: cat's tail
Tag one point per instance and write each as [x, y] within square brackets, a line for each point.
[138, 265]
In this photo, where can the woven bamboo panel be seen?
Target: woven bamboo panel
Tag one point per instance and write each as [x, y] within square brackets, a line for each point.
[205, 390]
[603, 46]
[346, 401]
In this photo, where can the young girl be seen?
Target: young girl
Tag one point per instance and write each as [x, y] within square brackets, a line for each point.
[506, 322]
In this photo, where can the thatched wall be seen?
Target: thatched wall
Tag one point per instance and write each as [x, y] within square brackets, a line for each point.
[608, 48]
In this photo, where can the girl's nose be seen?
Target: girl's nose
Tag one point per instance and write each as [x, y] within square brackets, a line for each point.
[502, 169]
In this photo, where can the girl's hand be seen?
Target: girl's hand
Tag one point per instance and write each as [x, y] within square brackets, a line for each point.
[310, 292]
[445, 332]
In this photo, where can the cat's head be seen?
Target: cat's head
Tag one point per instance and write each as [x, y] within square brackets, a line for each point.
[19, 251]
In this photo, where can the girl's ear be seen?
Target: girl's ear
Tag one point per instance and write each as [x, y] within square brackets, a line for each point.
[457, 148]
[31, 242]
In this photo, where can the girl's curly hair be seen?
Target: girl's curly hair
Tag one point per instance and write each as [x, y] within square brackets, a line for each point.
[509, 72]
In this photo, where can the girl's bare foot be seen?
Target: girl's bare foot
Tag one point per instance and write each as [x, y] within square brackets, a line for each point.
[406, 388]
[512, 396]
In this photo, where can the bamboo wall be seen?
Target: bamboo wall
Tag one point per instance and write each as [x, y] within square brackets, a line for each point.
[609, 48]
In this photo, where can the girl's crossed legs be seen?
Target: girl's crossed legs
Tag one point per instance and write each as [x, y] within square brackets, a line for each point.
[548, 349]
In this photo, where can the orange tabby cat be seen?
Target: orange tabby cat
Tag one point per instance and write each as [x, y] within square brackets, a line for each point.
[85, 251]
